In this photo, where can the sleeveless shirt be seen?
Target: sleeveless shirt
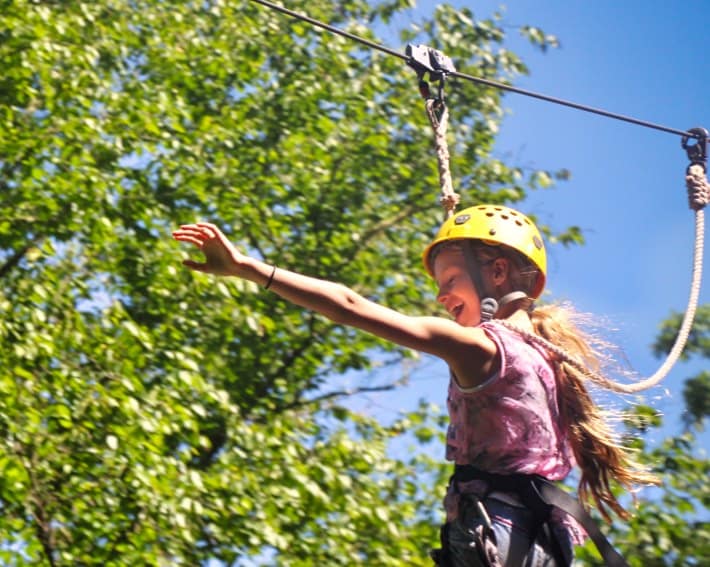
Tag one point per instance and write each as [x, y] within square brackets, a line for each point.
[510, 423]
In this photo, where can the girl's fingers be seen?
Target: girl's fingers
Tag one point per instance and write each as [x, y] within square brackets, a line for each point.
[207, 225]
[184, 237]
[199, 266]
[190, 228]
[202, 230]
[205, 229]
[193, 227]
[200, 234]
[193, 233]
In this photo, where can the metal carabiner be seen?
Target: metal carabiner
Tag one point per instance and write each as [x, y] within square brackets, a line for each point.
[697, 152]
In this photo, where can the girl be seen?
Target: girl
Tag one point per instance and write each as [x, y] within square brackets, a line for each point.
[519, 415]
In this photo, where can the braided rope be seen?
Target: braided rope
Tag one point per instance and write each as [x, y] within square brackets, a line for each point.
[564, 355]
[448, 198]
[699, 196]
[698, 187]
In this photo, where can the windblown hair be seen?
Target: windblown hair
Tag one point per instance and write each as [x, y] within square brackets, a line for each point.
[600, 457]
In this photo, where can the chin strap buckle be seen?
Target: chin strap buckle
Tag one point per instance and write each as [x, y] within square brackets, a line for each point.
[489, 307]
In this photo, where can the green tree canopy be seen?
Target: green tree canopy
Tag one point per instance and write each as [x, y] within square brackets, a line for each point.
[151, 416]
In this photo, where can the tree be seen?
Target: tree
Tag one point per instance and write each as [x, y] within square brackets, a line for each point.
[151, 416]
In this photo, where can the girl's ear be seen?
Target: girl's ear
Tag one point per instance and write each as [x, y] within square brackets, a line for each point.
[500, 270]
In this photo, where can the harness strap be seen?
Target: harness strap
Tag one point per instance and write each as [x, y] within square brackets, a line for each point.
[539, 494]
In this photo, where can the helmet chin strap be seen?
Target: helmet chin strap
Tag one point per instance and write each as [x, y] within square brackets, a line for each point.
[490, 306]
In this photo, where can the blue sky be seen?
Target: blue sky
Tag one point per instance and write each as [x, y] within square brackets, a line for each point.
[645, 59]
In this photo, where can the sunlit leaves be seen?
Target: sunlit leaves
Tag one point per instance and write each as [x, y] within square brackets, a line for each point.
[150, 415]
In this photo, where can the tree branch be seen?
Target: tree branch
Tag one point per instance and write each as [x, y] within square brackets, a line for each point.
[43, 529]
[340, 394]
[14, 260]
[126, 501]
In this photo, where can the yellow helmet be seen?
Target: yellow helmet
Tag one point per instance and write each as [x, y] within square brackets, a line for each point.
[494, 225]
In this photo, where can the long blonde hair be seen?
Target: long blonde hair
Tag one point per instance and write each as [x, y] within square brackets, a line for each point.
[600, 457]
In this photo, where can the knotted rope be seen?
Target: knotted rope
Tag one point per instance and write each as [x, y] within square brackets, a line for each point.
[699, 197]
[698, 187]
[438, 116]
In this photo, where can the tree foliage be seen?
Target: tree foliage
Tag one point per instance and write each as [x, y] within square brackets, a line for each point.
[152, 416]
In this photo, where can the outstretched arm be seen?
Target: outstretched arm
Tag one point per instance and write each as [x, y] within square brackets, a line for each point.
[469, 352]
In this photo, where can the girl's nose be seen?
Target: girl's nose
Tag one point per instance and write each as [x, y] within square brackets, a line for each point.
[441, 296]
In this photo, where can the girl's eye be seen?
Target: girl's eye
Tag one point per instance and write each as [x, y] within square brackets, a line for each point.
[447, 283]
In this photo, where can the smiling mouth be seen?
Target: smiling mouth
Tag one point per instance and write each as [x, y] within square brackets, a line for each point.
[456, 311]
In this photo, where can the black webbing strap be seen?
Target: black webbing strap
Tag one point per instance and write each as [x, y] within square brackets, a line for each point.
[535, 491]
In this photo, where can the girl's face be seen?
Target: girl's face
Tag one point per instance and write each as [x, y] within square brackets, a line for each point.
[456, 290]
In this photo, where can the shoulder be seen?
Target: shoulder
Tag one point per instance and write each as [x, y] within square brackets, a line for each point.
[445, 333]
[472, 353]
[469, 351]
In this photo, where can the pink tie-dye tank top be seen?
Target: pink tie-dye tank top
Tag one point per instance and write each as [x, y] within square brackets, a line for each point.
[510, 422]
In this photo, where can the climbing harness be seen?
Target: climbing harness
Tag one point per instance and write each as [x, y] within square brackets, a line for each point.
[539, 495]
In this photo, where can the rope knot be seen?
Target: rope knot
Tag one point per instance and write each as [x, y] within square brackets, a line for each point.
[698, 187]
[449, 201]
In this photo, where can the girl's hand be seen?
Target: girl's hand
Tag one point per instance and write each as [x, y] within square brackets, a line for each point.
[221, 257]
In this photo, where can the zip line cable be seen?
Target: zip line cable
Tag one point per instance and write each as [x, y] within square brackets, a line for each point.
[471, 78]
[426, 60]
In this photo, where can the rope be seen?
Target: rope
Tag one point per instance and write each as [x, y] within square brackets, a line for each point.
[699, 196]
[698, 187]
[438, 116]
